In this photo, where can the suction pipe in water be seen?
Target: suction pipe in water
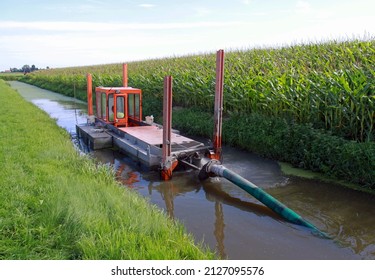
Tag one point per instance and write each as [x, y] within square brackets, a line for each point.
[214, 167]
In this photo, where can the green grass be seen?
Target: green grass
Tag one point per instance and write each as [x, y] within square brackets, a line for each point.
[14, 76]
[56, 204]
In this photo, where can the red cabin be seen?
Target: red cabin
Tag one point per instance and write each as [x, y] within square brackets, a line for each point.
[119, 106]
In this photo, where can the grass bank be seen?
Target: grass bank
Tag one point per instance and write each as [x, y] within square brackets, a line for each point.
[56, 204]
[13, 76]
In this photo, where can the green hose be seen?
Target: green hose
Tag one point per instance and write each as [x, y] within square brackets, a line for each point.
[215, 168]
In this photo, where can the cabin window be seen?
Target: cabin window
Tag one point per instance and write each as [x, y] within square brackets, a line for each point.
[98, 105]
[134, 106]
[131, 105]
[120, 107]
[103, 107]
[111, 107]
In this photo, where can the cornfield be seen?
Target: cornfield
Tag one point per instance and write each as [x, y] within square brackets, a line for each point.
[328, 85]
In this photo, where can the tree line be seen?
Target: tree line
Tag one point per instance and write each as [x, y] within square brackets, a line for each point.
[25, 69]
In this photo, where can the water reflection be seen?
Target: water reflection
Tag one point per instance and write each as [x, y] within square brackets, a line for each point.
[125, 175]
[215, 193]
[227, 219]
[168, 192]
[219, 229]
[66, 113]
[65, 110]
[345, 214]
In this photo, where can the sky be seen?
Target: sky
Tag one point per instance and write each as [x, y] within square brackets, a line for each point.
[88, 32]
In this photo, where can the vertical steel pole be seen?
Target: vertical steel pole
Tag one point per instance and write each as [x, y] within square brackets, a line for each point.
[218, 111]
[124, 75]
[90, 110]
[166, 168]
[167, 116]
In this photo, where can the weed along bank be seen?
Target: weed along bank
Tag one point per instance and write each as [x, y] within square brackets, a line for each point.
[118, 122]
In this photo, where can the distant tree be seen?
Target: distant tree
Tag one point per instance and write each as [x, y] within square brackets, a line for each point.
[26, 69]
[33, 68]
[47, 67]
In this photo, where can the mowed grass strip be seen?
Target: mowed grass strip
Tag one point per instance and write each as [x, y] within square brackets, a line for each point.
[56, 204]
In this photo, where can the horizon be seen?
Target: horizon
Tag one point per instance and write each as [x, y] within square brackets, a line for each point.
[270, 47]
[91, 32]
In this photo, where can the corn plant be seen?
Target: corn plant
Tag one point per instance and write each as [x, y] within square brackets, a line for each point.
[329, 85]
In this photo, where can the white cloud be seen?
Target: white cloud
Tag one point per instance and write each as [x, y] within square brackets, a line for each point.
[147, 6]
[45, 43]
[102, 26]
[303, 7]
[96, 2]
[246, 2]
[202, 12]
[324, 14]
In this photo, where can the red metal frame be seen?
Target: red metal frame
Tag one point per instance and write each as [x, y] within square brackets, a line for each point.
[90, 110]
[218, 111]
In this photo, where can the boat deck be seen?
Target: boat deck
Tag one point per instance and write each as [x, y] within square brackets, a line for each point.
[144, 143]
[153, 135]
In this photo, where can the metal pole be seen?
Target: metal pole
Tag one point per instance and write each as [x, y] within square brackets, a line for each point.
[218, 110]
[167, 115]
[168, 163]
[90, 110]
[124, 75]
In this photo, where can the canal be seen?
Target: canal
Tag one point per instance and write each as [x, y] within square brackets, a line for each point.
[227, 219]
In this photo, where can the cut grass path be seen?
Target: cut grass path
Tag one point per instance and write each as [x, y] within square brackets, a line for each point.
[56, 204]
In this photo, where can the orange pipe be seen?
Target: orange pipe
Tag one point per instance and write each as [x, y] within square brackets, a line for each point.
[90, 110]
[124, 75]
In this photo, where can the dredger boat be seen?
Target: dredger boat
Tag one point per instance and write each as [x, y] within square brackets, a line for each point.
[118, 122]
